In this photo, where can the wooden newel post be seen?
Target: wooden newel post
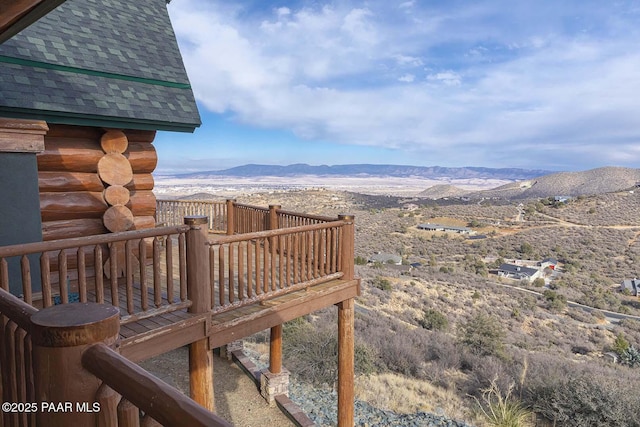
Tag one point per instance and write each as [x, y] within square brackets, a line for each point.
[275, 342]
[199, 293]
[346, 331]
[65, 391]
[231, 216]
[348, 247]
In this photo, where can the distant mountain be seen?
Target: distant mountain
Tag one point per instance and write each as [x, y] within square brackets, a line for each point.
[364, 170]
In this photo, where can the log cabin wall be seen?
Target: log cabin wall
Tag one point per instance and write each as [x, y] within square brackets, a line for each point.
[74, 194]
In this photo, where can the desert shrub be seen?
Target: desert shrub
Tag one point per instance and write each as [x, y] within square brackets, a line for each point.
[482, 334]
[382, 284]
[360, 260]
[539, 282]
[620, 344]
[433, 320]
[311, 352]
[585, 401]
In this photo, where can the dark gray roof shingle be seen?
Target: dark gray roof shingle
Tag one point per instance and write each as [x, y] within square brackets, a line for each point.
[99, 61]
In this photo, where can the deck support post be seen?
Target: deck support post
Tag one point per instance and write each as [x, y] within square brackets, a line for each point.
[346, 363]
[231, 215]
[61, 334]
[275, 342]
[199, 293]
[346, 331]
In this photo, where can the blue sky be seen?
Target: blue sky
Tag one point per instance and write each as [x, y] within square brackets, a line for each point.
[545, 84]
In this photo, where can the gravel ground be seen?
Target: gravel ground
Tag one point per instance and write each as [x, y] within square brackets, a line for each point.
[236, 396]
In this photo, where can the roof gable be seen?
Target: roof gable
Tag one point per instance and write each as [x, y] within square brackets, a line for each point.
[99, 62]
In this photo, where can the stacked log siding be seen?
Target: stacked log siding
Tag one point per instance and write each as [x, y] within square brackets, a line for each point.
[72, 201]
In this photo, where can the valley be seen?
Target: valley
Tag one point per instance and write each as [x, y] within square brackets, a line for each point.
[441, 330]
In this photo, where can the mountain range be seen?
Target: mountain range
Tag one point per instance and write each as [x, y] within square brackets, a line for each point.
[365, 170]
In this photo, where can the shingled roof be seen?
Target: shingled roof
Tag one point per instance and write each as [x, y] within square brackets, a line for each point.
[109, 63]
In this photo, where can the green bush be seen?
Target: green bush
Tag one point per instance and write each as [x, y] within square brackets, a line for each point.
[381, 283]
[483, 335]
[433, 320]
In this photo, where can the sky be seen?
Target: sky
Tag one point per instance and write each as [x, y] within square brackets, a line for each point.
[544, 84]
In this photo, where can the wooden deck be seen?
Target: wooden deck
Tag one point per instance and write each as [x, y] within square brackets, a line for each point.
[155, 335]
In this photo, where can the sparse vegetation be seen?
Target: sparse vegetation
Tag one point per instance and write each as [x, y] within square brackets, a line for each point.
[492, 331]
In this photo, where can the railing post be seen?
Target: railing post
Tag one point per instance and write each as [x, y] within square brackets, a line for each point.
[199, 293]
[231, 216]
[65, 391]
[273, 217]
[348, 248]
[275, 342]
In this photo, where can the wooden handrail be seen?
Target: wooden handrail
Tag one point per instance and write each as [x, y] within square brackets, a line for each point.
[272, 233]
[167, 406]
[306, 216]
[16, 310]
[37, 247]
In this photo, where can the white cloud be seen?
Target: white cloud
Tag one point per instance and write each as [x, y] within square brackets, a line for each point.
[345, 73]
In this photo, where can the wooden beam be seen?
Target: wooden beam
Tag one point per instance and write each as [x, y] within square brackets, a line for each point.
[16, 15]
[158, 341]
[22, 136]
[346, 362]
[233, 326]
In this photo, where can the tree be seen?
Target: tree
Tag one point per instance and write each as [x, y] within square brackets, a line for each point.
[483, 335]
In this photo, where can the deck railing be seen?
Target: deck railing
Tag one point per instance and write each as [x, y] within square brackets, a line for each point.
[172, 212]
[135, 271]
[231, 217]
[41, 384]
[252, 267]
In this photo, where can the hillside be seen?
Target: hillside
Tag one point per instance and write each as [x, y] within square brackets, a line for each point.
[594, 181]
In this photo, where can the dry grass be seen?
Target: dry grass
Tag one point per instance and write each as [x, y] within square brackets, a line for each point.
[407, 395]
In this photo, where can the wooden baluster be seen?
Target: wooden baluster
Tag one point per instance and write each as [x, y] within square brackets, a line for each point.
[231, 273]
[4, 274]
[9, 364]
[212, 274]
[97, 262]
[249, 249]
[25, 268]
[128, 414]
[108, 400]
[169, 265]
[45, 280]
[21, 372]
[295, 256]
[241, 255]
[256, 245]
[129, 275]
[322, 252]
[28, 362]
[157, 273]
[62, 277]
[223, 300]
[113, 271]
[144, 288]
[82, 274]
[310, 255]
[182, 255]
[266, 264]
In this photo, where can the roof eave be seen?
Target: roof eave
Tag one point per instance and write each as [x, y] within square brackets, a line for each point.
[99, 121]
